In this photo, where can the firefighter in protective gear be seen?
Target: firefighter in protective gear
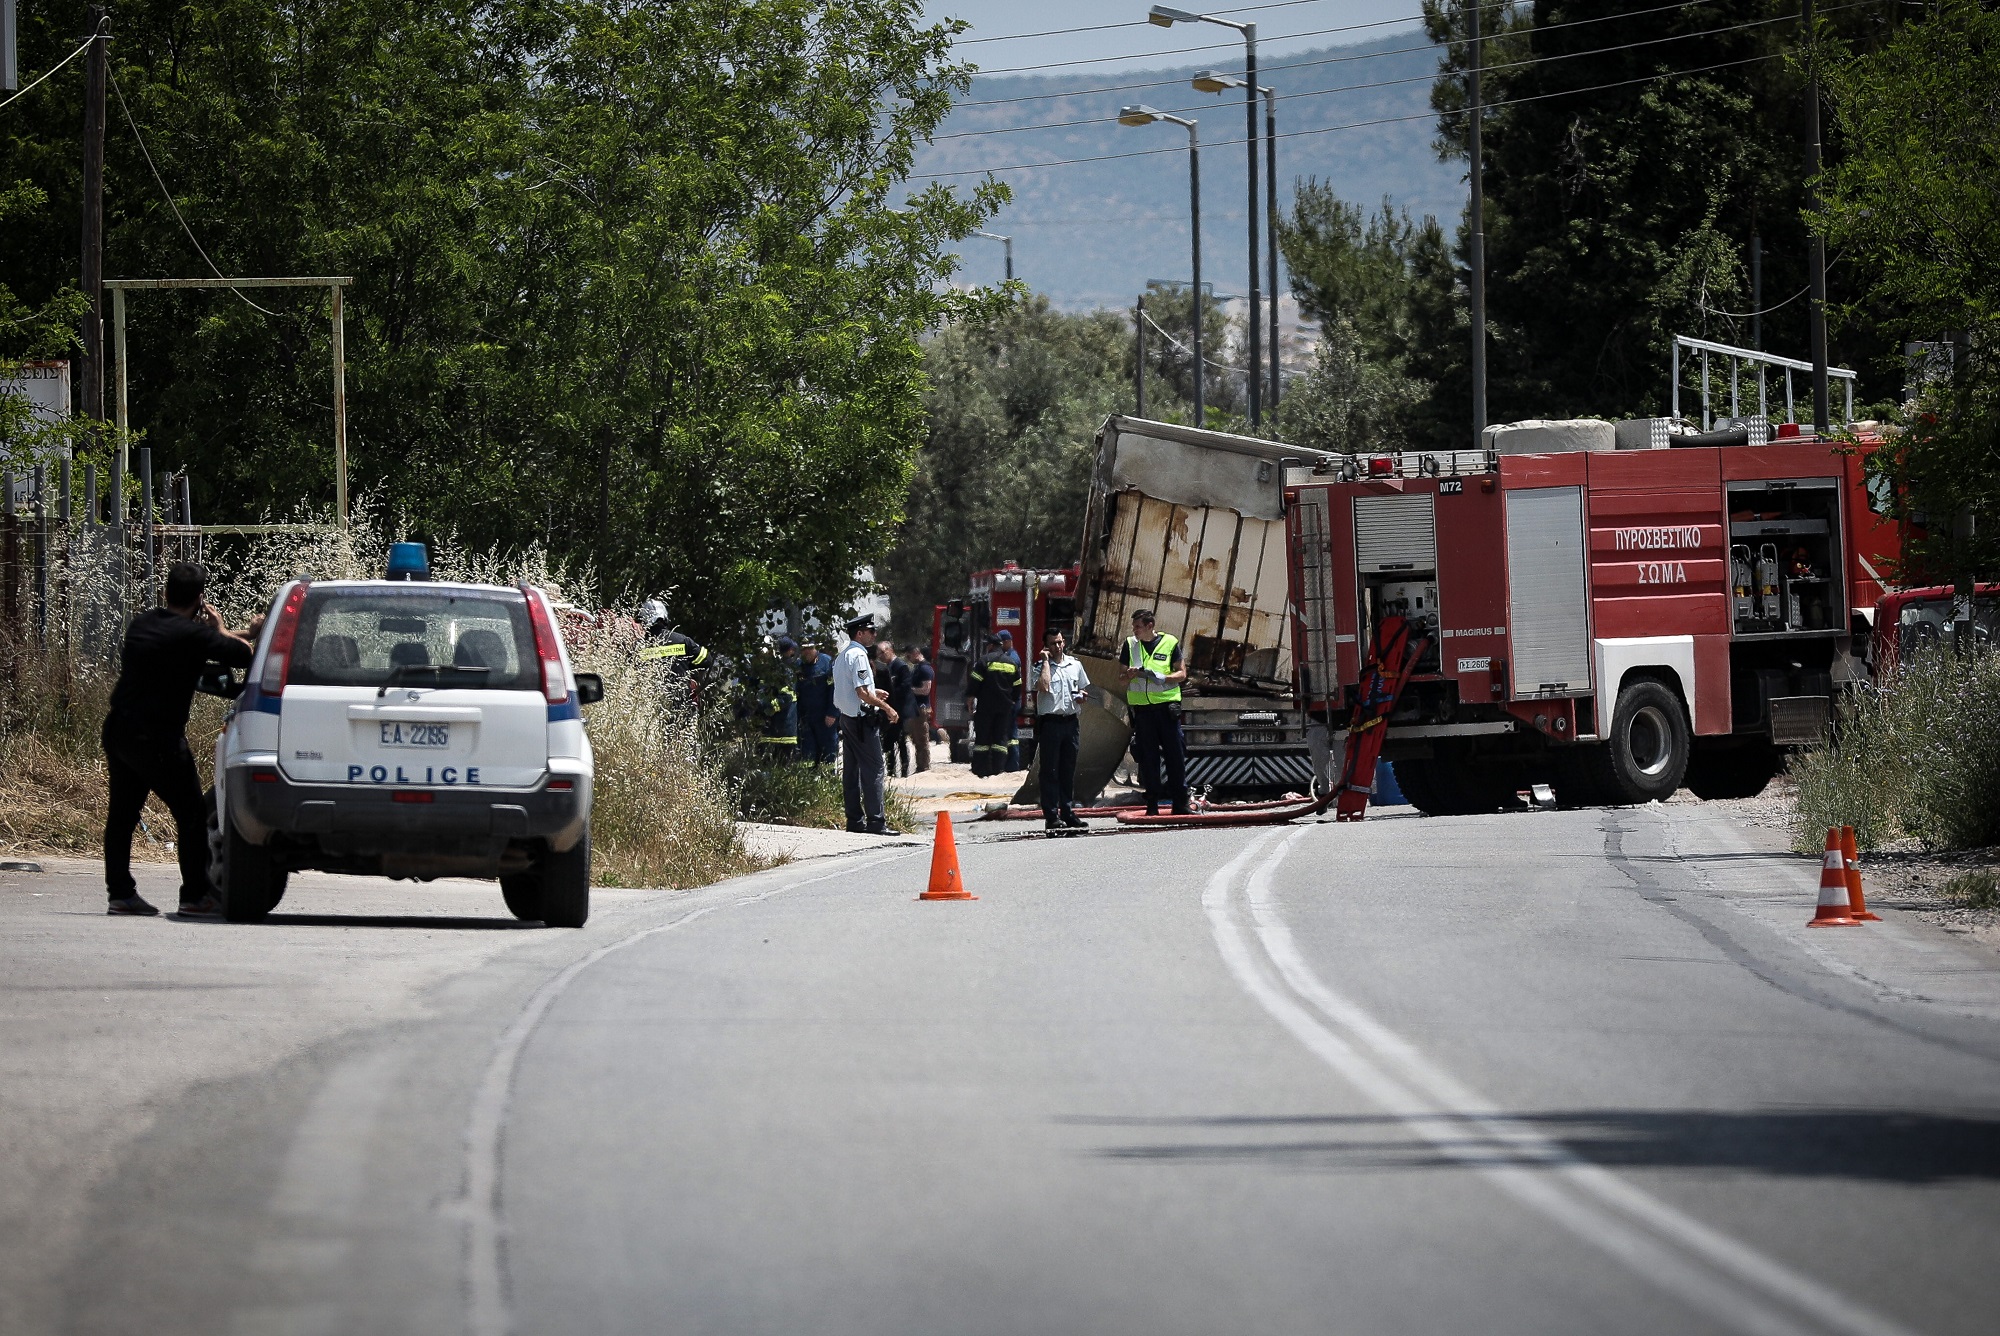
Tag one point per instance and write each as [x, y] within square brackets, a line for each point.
[994, 695]
[1153, 671]
[680, 653]
[1020, 693]
[778, 704]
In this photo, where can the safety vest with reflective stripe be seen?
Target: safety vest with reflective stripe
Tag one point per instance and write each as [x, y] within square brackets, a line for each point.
[690, 654]
[1158, 660]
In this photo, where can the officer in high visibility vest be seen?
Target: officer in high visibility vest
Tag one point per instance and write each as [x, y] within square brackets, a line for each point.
[1152, 670]
[664, 644]
[994, 687]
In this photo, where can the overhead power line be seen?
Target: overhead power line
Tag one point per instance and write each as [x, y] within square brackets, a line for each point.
[148, 155]
[1354, 125]
[1244, 9]
[1264, 69]
[1424, 78]
[51, 70]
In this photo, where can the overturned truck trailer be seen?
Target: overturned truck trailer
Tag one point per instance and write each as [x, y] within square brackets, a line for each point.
[1191, 524]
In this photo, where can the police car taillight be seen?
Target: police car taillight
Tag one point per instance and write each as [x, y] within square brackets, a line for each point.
[278, 658]
[548, 650]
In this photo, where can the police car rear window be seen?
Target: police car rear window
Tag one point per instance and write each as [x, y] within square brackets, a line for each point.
[376, 638]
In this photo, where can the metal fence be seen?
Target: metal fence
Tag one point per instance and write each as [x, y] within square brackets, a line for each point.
[75, 563]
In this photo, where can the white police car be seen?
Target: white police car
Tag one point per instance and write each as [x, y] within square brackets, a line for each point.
[405, 728]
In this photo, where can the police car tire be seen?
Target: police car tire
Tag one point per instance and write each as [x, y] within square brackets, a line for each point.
[565, 885]
[523, 893]
[247, 882]
[1646, 755]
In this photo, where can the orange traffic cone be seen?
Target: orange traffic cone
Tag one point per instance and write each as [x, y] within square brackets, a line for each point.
[946, 884]
[1832, 911]
[1850, 854]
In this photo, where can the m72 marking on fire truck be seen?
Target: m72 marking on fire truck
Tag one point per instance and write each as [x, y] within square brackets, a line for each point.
[1663, 573]
[1627, 540]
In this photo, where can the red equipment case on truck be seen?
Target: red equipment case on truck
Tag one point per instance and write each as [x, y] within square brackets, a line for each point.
[1611, 622]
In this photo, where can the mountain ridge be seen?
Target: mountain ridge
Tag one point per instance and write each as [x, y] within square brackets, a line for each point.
[1090, 234]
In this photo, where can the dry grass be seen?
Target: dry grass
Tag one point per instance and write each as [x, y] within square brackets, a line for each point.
[1919, 758]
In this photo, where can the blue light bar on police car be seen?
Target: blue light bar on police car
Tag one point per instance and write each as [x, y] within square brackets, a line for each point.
[408, 561]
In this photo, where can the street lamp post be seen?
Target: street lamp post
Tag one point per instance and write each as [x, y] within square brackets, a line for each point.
[1144, 115]
[1008, 242]
[1211, 82]
[1167, 18]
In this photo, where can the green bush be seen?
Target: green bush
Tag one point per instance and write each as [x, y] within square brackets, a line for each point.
[1920, 756]
[1975, 890]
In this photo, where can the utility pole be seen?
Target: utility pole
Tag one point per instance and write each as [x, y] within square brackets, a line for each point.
[93, 217]
[10, 58]
[1271, 231]
[1817, 265]
[1256, 320]
[1139, 365]
[1477, 220]
[1757, 291]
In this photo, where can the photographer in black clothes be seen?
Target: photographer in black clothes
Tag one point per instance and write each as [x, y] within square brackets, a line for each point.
[145, 735]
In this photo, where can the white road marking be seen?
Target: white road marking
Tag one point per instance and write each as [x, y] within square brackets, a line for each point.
[487, 1310]
[1697, 1264]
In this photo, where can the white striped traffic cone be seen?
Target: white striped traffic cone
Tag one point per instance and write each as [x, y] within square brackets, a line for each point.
[1833, 902]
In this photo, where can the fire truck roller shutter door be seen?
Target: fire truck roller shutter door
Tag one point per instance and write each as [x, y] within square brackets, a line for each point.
[1548, 595]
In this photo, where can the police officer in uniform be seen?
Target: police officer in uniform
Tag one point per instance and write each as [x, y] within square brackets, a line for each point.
[680, 653]
[819, 743]
[863, 712]
[166, 651]
[994, 689]
[1152, 671]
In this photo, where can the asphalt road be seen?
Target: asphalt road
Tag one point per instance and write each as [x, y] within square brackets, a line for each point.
[1540, 1073]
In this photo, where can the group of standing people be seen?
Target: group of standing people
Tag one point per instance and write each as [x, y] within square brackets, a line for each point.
[872, 709]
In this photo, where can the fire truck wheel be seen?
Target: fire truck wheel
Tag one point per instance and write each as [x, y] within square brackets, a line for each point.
[1414, 779]
[1647, 752]
[1732, 772]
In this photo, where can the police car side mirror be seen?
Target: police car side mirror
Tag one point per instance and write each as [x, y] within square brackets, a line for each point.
[589, 688]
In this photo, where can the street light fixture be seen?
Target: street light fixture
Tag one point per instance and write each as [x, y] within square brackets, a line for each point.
[1209, 81]
[1144, 115]
[1008, 242]
[1166, 17]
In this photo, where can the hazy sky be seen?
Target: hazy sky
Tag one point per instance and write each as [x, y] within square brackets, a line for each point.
[1280, 28]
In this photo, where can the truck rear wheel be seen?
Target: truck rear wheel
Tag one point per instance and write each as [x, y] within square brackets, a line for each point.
[565, 886]
[247, 879]
[1732, 772]
[1646, 755]
[1453, 786]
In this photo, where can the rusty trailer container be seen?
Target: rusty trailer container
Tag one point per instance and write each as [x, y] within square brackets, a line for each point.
[1191, 524]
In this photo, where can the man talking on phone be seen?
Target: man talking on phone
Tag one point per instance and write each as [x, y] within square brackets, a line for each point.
[165, 653]
[1060, 691]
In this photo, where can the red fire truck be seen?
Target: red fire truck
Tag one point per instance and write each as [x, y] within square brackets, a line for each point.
[1614, 622]
[1019, 601]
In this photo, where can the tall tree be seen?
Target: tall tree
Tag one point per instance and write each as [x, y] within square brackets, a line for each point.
[1910, 203]
[1627, 164]
[1014, 404]
[626, 278]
